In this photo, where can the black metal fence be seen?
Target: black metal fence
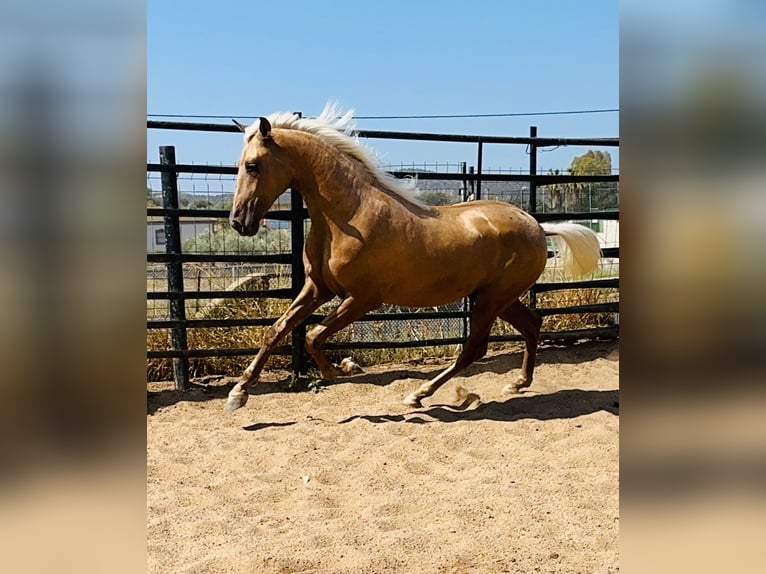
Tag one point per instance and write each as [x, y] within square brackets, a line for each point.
[472, 183]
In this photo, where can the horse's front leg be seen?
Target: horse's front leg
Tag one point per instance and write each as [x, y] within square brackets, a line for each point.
[307, 301]
[349, 310]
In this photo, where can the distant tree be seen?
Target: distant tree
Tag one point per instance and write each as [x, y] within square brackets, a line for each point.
[596, 195]
[592, 162]
[436, 197]
[562, 195]
[200, 203]
[580, 196]
[151, 201]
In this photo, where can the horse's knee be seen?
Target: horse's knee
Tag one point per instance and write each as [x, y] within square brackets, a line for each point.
[312, 345]
[269, 337]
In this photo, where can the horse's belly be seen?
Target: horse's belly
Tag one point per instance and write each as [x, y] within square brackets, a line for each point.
[430, 293]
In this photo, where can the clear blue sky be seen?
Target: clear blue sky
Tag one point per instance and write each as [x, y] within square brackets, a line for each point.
[241, 59]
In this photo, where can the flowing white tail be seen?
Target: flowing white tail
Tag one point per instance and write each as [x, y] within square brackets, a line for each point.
[578, 247]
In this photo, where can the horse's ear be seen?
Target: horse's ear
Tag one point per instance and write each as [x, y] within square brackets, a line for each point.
[239, 125]
[264, 128]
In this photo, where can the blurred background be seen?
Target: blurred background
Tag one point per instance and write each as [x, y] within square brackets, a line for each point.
[72, 149]
[693, 431]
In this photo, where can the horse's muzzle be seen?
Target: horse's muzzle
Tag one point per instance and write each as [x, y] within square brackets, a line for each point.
[246, 218]
[236, 225]
[243, 222]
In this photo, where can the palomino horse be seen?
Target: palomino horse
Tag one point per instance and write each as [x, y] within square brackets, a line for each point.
[371, 243]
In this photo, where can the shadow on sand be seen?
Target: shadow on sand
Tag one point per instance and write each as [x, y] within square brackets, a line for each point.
[563, 404]
[504, 362]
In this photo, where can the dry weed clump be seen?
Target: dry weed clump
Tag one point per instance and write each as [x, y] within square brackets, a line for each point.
[219, 338]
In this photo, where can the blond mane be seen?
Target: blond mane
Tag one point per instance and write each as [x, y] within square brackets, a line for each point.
[337, 128]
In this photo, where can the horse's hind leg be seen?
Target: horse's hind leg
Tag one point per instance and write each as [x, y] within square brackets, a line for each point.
[475, 347]
[528, 323]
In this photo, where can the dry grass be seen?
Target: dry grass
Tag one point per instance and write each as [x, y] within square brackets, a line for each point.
[250, 337]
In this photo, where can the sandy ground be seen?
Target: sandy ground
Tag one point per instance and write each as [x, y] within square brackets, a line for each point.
[350, 480]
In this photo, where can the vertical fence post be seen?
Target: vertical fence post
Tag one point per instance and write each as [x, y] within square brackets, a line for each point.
[532, 194]
[468, 301]
[298, 276]
[532, 170]
[478, 169]
[174, 266]
[464, 197]
[464, 187]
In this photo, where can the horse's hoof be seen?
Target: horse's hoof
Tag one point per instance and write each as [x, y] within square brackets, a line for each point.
[236, 400]
[349, 367]
[413, 401]
[513, 388]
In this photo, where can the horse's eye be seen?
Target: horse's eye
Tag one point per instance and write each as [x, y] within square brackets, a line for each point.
[251, 168]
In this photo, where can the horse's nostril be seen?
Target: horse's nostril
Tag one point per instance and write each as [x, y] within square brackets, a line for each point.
[236, 225]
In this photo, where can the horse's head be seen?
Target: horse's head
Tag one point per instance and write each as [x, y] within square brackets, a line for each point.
[264, 173]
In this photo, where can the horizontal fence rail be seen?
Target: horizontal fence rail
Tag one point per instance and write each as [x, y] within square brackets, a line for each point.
[178, 264]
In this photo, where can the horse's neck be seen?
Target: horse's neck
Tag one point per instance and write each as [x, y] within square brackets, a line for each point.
[330, 182]
[336, 186]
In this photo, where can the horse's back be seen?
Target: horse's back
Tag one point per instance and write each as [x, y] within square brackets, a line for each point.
[503, 222]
